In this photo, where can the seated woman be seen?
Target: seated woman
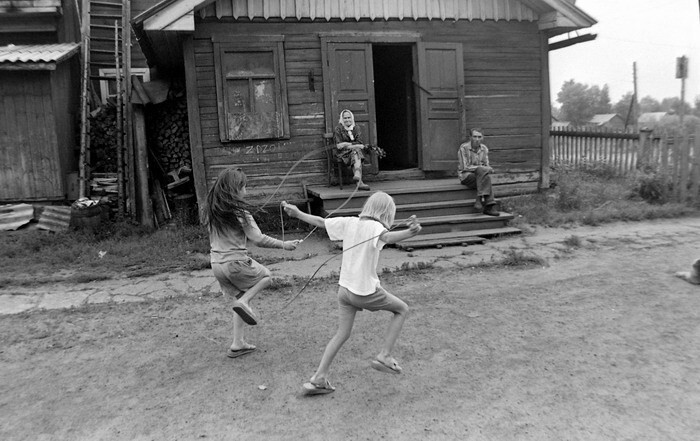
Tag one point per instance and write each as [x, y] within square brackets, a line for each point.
[350, 148]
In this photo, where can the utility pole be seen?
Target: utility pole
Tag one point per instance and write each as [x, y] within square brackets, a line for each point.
[635, 100]
[682, 73]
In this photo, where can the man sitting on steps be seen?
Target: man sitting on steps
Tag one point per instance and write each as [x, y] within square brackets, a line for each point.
[475, 172]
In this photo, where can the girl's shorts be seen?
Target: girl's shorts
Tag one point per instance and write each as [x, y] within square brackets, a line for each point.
[380, 300]
[238, 276]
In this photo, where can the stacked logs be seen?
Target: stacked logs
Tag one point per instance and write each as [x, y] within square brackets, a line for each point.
[103, 140]
[168, 134]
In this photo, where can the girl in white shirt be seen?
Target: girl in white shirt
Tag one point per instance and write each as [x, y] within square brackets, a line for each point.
[360, 288]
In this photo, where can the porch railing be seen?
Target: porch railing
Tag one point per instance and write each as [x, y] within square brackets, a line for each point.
[674, 157]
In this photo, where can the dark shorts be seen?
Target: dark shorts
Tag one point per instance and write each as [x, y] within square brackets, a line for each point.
[380, 300]
[238, 276]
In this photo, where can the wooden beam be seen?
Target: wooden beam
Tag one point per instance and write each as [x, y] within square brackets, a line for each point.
[194, 121]
[572, 41]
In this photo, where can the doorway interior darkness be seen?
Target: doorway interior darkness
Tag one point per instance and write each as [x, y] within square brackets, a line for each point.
[395, 105]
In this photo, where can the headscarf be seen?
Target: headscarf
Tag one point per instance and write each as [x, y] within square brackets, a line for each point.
[352, 126]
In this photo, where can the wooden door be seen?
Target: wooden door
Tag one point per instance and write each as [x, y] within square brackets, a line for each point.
[442, 119]
[349, 75]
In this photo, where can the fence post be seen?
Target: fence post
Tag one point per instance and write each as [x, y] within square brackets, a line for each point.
[643, 157]
[695, 175]
[684, 167]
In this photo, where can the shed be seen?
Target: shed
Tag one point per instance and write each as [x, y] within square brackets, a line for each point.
[607, 121]
[38, 108]
[266, 79]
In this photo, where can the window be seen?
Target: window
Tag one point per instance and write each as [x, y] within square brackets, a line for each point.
[108, 88]
[251, 89]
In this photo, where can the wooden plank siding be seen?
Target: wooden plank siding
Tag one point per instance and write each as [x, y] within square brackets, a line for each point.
[503, 94]
[29, 159]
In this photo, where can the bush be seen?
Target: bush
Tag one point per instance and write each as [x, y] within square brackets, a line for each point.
[651, 187]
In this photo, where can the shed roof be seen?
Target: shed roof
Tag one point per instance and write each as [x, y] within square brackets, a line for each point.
[35, 56]
[11, 7]
[603, 118]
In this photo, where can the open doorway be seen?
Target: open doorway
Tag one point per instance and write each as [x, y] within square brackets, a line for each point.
[395, 105]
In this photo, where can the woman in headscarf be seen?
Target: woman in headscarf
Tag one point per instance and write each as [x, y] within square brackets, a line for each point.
[350, 146]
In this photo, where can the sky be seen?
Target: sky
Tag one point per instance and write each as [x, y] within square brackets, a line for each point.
[652, 33]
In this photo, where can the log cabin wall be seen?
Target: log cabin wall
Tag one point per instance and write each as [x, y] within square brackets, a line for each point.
[503, 94]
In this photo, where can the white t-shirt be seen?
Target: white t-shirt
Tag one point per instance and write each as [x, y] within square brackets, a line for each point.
[358, 271]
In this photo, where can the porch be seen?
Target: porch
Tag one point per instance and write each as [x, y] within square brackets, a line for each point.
[444, 208]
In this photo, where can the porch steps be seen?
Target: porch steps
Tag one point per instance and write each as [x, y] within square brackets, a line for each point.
[439, 240]
[445, 210]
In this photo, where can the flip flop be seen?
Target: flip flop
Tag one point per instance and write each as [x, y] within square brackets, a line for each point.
[235, 353]
[318, 389]
[382, 367]
[245, 312]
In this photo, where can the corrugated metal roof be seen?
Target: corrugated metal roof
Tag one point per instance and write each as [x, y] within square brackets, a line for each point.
[29, 6]
[14, 216]
[37, 53]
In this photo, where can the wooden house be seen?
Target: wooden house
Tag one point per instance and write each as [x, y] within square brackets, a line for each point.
[266, 79]
[611, 121]
[39, 99]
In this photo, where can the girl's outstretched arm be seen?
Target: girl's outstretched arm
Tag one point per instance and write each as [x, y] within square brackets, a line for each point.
[397, 236]
[294, 211]
[253, 233]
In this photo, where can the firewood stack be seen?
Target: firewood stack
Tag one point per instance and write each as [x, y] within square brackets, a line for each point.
[168, 134]
[103, 140]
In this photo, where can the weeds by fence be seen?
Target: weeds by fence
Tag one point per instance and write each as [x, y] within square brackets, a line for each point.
[668, 164]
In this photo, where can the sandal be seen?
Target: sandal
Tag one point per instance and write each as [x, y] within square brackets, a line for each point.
[318, 389]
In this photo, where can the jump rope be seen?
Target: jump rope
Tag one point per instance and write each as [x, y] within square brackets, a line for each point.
[349, 198]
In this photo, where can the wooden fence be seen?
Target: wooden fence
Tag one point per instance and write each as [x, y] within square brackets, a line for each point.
[674, 158]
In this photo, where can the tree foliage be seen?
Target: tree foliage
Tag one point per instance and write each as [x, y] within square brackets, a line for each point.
[579, 102]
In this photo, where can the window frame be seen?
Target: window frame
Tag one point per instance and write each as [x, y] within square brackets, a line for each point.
[229, 43]
[143, 72]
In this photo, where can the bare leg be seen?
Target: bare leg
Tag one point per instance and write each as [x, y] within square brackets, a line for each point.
[357, 171]
[239, 334]
[255, 290]
[393, 334]
[345, 322]
[238, 323]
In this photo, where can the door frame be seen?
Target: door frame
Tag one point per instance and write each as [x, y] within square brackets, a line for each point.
[412, 38]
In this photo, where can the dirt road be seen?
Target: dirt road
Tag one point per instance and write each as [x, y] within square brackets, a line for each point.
[601, 345]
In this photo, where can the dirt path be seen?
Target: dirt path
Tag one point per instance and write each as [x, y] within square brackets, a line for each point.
[604, 344]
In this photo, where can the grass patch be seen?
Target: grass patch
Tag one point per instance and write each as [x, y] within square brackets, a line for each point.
[594, 195]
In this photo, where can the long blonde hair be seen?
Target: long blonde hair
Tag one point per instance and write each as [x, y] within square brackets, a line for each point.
[381, 207]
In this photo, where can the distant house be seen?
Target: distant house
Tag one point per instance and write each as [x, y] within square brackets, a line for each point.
[649, 120]
[606, 121]
[556, 124]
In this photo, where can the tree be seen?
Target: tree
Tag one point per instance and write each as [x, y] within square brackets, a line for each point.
[579, 102]
[602, 99]
[673, 105]
[649, 104]
[623, 108]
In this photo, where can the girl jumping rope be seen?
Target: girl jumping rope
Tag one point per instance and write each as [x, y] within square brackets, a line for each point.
[360, 288]
[228, 219]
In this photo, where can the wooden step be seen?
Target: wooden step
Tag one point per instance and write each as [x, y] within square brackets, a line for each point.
[421, 210]
[403, 192]
[454, 238]
[462, 222]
